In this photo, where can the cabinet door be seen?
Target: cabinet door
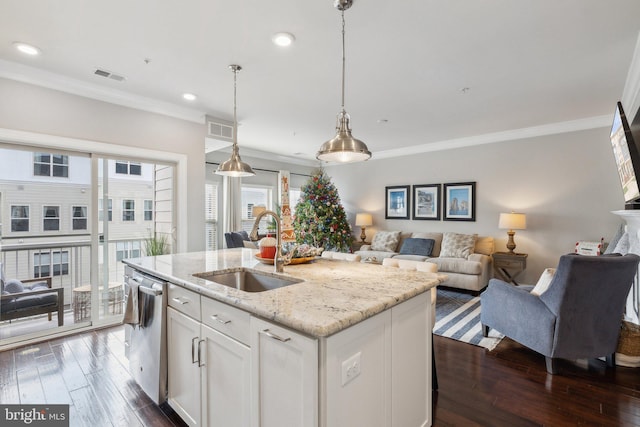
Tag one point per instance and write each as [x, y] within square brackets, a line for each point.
[183, 382]
[226, 368]
[411, 362]
[284, 377]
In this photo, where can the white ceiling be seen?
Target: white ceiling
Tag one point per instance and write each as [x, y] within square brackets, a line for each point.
[526, 64]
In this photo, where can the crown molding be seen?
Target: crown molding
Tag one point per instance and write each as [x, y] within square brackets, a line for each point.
[490, 138]
[26, 74]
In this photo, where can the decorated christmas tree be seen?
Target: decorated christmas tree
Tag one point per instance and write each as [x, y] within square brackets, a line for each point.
[320, 219]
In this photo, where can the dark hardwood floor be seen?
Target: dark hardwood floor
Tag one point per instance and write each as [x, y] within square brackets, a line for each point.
[506, 387]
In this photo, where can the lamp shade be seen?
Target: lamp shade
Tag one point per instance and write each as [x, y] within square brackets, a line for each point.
[512, 221]
[364, 219]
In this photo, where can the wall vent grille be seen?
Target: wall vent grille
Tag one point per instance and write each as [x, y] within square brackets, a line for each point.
[219, 129]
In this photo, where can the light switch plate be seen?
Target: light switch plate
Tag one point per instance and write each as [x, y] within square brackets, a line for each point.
[350, 368]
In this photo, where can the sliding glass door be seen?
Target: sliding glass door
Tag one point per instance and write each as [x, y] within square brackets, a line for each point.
[67, 220]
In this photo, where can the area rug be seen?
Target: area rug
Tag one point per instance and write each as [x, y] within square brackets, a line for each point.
[458, 317]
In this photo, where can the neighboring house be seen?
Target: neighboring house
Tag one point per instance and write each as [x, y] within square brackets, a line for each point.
[45, 208]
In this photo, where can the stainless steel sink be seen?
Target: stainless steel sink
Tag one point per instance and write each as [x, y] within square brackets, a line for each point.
[248, 280]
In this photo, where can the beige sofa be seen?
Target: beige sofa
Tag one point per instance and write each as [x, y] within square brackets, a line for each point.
[470, 271]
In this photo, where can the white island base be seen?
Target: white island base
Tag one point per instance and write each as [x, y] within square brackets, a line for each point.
[376, 373]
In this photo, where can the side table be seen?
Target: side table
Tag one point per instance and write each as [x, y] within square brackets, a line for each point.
[356, 245]
[508, 265]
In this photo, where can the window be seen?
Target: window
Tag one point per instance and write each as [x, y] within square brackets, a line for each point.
[128, 168]
[211, 216]
[79, 217]
[148, 210]
[294, 198]
[253, 196]
[126, 250]
[101, 210]
[50, 263]
[19, 218]
[128, 210]
[46, 164]
[51, 218]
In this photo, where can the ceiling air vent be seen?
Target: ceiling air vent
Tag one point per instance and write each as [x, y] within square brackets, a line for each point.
[219, 129]
[109, 75]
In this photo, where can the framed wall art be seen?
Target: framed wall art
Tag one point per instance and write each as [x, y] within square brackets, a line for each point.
[398, 202]
[459, 201]
[426, 201]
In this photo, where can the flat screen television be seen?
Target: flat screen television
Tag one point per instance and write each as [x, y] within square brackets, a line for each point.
[627, 158]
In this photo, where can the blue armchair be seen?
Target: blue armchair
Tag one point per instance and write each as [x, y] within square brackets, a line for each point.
[577, 317]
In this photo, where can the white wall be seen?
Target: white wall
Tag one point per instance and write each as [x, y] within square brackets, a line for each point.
[567, 185]
[25, 107]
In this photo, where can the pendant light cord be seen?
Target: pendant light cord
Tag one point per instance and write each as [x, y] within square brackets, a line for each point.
[235, 117]
[343, 59]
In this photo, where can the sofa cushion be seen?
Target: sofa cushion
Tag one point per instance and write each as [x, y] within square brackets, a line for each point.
[457, 265]
[456, 245]
[411, 257]
[417, 246]
[375, 256]
[13, 286]
[386, 241]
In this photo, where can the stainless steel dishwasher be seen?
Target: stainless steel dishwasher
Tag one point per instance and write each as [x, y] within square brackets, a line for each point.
[146, 342]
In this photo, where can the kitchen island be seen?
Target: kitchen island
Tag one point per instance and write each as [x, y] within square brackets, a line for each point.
[348, 345]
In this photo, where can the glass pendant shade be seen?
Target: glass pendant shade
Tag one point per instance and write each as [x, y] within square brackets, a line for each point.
[343, 147]
[235, 167]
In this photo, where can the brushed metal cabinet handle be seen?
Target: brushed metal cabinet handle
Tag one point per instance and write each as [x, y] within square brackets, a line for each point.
[274, 336]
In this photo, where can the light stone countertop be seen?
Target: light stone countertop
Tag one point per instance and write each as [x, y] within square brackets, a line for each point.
[333, 296]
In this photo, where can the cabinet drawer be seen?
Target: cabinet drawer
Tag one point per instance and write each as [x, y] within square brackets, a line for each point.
[184, 300]
[226, 319]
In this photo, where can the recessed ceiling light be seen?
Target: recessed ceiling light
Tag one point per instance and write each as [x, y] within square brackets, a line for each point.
[189, 96]
[27, 48]
[283, 39]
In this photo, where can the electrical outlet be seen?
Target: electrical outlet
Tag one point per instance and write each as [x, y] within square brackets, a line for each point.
[350, 368]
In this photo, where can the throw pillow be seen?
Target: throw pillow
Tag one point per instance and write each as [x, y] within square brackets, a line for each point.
[455, 245]
[543, 282]
[386, 241]
[415, 246]
[13, 286]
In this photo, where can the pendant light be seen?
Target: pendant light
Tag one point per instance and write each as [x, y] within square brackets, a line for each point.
[343, 148]
[235, 167]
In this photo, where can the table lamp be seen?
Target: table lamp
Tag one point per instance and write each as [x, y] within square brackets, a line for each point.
[512, 221]
[363, 220]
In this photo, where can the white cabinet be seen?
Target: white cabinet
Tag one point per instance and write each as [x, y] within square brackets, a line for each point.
[234, 369]
[225, 381]
[411, 362]
[378, 372]
[284, 377]
[209, 372]
[183, 339]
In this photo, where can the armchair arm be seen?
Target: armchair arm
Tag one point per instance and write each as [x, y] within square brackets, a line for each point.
[485, 262]
[518, 314]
